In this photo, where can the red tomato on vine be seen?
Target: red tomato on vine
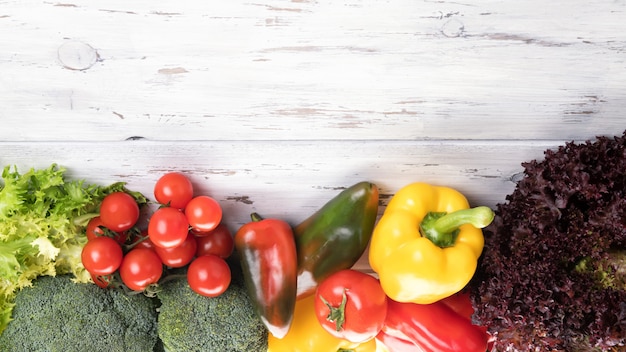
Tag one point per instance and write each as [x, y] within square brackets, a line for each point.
[203, 213]
[218, 242]
[179, 256]
[140, 268]
[209, 275]
[173, 189]
[119, 211]
[168, 227]
[351, 305]
[95, 229]
[102, 256]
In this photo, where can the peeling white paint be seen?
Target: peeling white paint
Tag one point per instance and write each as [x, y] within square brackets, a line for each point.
[490, 70]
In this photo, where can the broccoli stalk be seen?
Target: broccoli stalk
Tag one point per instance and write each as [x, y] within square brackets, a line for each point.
[59, 315]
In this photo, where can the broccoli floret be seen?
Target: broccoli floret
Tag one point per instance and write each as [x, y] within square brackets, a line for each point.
[58, 315]
[190, 322]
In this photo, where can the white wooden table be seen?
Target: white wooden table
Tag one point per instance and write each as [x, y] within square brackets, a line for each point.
[274, 105]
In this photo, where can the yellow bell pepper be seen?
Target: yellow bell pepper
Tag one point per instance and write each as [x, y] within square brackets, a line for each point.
[426, 245]
[307, 335]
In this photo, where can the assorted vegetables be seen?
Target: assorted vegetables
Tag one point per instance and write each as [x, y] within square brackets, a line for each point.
[552, 263]
[297, 279]
[41, 228]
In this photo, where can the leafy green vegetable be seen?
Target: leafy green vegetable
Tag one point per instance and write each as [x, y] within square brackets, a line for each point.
[58, 315]
[42, 218]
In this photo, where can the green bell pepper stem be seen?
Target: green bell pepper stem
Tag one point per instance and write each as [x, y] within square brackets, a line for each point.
[442, 228]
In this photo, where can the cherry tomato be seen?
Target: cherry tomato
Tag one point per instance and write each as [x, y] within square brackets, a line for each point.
[119, 211]
[140, 268]
[179, 256]
[94, 229]
[218, 242]
[102, 256]
[143, 241]
[102, 281]
[121, 237]
[208, 275]
[203, 213]
[168, 227]
[351, 305]
[173, 189]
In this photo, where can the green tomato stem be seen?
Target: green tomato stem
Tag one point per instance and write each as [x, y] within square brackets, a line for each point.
[337, 314]
[256, 217]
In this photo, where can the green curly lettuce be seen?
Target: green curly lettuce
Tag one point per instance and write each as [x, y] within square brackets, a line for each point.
[42, 219]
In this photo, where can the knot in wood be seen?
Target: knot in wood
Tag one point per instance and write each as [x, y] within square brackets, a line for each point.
[453, 28]
[76, 55]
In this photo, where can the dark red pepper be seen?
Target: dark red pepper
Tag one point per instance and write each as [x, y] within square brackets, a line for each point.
[443, 326]
[269, 261]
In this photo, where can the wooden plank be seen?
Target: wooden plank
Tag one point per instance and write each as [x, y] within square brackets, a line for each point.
[289, 179]
[311, 70]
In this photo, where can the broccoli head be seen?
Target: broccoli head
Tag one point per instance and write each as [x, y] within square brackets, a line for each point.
[59, 315]
[190, 322]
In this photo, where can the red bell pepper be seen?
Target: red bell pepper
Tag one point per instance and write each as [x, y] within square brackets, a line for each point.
[460, 303]
[443, 326]
[269, 261]
[396, 343]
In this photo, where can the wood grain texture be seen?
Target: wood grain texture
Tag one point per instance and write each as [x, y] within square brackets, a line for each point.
[286, 179]
[292, 70]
